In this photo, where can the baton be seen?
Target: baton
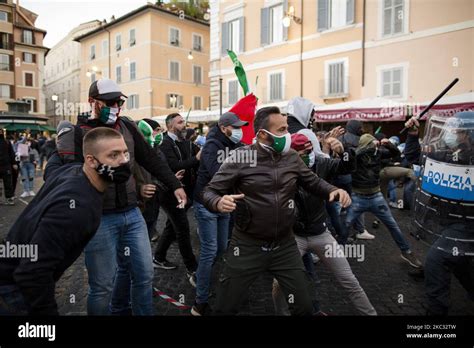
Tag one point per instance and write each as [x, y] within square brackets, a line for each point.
[425, 110]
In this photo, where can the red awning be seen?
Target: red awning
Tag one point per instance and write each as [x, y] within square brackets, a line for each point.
[372, 114]
[448, 110]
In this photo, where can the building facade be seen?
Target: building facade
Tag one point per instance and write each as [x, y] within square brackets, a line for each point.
[62, 76]
[159, 58]
[334, 51]
[21, 57]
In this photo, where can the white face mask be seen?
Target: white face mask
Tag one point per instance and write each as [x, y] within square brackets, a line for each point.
[236, 135]
[312, 159]
[451, 140]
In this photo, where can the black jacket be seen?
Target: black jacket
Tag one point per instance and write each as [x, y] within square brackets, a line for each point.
[310, 209]
[59, 222]
[7, 155]
[118, 197]
[212, 157]
[366, 177]
[412, 150]
[182, 155]
[265, 214]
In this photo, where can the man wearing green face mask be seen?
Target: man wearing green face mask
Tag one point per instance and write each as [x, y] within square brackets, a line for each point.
[264, 206]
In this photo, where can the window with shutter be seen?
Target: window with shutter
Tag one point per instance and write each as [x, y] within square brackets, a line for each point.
[92, 52]
[174, 71]
[29, 79]
[392, 82]
[197, 103]
[174, 37]
[28, 37]
[133, 71]
[234, 36]
[197, 42]
[276, 26]
[118, 74]
[393, 17]
[264, 26]
[335, 13]
[5, 91]
[224, 38]
[4, 62]
[233, 92]
[118, 42]
[197, 74]
[132, 40]
[3, 16]
[105, 48]
[336, 84]
[276, 87]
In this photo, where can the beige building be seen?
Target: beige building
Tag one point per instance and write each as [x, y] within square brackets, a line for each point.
[62, 75]
[336, 51]
[148, 51]
[21, 57]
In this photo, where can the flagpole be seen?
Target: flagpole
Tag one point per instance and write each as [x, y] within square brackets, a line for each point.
[220, 95]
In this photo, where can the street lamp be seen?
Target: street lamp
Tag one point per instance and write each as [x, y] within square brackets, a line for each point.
[290, 15]
[190, 55]
[54, 98]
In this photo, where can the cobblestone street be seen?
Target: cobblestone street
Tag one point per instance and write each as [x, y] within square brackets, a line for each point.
[383, 275]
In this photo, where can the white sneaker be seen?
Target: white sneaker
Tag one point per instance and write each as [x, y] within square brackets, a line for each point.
[32, 194]
[365, 235]
[24, 194]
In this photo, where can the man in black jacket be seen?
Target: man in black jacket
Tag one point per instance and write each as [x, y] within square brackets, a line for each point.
[119, 257]
[54, 228]
[213, 227]
[7, 165]
[264, 202]
[181, 154]
[310, 229]
[366, 194]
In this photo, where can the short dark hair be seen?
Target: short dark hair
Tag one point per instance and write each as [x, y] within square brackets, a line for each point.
[170, 117]
[261, 118]
[95, 135]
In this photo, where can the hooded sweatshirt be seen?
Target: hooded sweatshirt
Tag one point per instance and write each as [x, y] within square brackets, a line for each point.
[366, 178]
[299, 116]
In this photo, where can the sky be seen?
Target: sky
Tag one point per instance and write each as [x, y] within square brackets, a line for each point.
[58, 17]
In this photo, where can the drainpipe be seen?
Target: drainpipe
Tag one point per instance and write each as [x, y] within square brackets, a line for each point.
[363, 44]
[301, 50]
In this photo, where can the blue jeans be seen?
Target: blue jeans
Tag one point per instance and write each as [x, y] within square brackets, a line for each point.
[377, 205]
[392, 191]
[334, 212]
[27, 176]
[12, 301]
[213, 235]
[119, 263]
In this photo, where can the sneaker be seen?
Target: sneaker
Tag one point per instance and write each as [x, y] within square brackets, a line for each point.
[163, 264]
[411, 259]
[24, 194]
[315, 258]
[32, 194]
[10, 201]
[365, 235]
[192, 278]
[201, 309]
[155, 237]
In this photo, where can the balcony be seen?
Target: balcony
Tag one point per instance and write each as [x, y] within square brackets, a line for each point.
[336, 88]
[6, 67]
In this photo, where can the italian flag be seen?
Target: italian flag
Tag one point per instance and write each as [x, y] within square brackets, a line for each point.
[245, 107]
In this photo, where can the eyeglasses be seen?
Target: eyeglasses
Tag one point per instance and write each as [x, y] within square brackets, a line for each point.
[111, 103]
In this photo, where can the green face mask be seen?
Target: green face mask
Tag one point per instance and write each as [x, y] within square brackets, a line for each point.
[147, 132]
[281, 144]
[305, 158]
[158, 139]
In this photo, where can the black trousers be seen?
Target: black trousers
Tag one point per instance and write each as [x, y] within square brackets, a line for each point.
[151, 213]
[439, 267]
[7, 177]
[245, 260]
[176, 228]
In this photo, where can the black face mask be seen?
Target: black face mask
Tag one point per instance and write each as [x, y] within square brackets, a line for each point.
[116, 175]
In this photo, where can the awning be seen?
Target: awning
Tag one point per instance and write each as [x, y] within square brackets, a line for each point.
[13, 127]
[450, 105]
[370, 109]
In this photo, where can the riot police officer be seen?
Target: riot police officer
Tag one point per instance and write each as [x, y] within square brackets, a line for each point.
[444, 207]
